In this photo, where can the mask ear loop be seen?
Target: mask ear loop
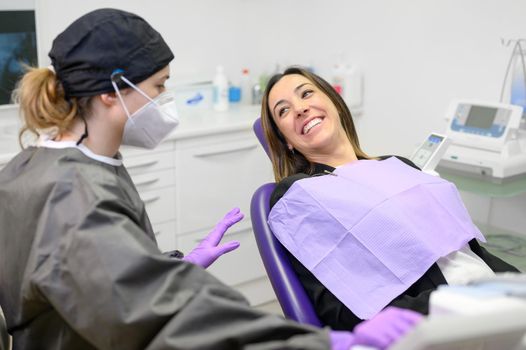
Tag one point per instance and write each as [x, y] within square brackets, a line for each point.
[115, 76]
[136, 88]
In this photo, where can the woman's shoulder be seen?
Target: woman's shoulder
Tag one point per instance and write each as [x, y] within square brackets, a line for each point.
[283, 186]
[42, 169]
[403, 159]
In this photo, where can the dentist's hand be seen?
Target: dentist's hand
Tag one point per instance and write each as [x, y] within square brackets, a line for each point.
[386, 328]
[208, 250]
[379, 332]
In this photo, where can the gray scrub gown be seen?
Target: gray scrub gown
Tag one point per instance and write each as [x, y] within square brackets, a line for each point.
[80, 269]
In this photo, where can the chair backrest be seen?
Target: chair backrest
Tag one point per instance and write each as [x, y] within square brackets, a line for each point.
[291, 295]
[258, 130]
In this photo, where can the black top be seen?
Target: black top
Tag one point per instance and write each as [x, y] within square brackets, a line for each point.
[331, 311]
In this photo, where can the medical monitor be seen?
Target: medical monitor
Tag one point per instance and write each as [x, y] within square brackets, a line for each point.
[481, 117]
[18, 47]
[482, 124]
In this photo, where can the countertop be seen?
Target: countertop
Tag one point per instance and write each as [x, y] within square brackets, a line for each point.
[199, 122]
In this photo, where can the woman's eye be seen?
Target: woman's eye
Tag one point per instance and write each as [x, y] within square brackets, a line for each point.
[306, 93]
[282, 111]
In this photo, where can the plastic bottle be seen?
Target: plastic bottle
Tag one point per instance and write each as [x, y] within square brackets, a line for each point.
[353, 94]
[338, 78]
[220, 88]
[348, 82]
[257, 94]
[246, 87]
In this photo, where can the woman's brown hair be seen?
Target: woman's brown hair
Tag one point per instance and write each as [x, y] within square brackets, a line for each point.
[284, 162]
[43, 104]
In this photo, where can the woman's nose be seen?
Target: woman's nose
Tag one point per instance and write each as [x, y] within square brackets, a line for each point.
[301, 110]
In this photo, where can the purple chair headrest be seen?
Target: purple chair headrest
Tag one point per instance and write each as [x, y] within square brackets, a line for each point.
[258, 130]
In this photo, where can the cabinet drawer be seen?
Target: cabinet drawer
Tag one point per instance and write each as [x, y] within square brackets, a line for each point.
[154, 180]
[149, 162]
[165, 236]
[160, 204]
[239, 266]
[130, 151]
[215, 178]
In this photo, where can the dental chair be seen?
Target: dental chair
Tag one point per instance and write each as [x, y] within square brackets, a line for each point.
[291, 295]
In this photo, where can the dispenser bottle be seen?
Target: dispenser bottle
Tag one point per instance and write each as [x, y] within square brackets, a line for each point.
[220, 88]
[246, 87]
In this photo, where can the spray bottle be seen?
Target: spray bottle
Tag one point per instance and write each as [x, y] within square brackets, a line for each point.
[220, 88]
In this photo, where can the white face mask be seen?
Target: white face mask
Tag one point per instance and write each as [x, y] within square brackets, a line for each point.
[148, 126]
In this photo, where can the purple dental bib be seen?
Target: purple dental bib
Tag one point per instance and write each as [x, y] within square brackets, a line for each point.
[371, 229]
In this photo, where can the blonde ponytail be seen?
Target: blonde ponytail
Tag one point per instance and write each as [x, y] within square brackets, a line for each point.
[43, 105]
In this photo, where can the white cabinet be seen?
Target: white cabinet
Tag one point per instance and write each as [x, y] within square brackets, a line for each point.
[216, 170]
[217, 173]
[153, 173]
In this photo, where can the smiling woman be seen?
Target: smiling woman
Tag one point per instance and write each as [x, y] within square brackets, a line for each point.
[305, 122]
[377, 232]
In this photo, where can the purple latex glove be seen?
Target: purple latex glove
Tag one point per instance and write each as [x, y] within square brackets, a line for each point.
[341, 340]
[208, 250]
[386, 327]
[379, 332]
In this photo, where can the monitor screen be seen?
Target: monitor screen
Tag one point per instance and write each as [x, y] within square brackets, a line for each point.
[481, 117]
[18, 47]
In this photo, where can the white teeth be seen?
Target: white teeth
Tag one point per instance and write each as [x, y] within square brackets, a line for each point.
[311, 124]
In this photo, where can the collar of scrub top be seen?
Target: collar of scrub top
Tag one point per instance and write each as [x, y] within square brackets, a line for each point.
[46, 141]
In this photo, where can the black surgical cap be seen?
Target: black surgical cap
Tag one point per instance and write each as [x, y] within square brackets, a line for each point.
[86, 54]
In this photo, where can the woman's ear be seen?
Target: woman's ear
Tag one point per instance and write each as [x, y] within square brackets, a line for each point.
[109, 99]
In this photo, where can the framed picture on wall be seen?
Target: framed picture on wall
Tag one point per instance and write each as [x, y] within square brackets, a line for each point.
[18, 47]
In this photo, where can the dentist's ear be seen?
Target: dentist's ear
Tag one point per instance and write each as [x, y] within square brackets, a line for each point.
[109, 99]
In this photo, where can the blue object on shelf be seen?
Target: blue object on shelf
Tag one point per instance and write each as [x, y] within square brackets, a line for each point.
[195, 99]
[234, 94]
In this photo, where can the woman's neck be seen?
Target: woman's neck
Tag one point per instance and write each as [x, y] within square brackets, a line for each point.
[101, 139]
[340, 154]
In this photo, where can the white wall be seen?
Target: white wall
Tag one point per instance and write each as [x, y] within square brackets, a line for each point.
[416, 55]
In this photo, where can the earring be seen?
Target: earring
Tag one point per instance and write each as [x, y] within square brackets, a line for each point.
[291, 149]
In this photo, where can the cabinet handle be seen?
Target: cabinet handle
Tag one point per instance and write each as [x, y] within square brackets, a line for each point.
[146, 182]
[151, 199]
[141, 164]
[224, 151]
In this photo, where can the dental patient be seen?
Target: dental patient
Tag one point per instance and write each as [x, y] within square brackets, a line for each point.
[363, 232]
